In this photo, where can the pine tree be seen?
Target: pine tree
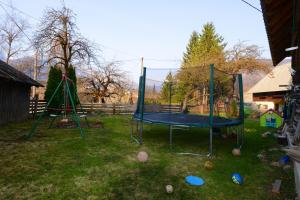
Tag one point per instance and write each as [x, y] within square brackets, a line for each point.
[54, 79]
[191, 49]
[167, 87]
[211, 47]
[71, 73]
[202, 50]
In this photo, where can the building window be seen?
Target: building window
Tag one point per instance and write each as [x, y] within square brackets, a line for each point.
[265, 107]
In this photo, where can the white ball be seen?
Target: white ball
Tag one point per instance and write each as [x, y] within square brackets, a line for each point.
[236, 152]
[169, 189]
[142, 156]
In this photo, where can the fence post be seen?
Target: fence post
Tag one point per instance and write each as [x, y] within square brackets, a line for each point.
[114, 108]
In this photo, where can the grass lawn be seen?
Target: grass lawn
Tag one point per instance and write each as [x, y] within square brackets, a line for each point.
[57, 164]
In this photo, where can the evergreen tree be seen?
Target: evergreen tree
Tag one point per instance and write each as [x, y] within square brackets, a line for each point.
[203, 49]
[191, 49]
[167, 87]
[71, 73]
[211, 47]
[54, 79]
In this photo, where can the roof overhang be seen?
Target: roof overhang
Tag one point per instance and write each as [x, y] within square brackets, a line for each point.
[278, 17]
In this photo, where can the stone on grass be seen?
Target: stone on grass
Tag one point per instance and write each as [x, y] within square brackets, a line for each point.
[265, 134]
[286, 167]
[260, 156]
[275, 164]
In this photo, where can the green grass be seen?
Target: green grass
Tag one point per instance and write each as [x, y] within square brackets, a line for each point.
[57, 164]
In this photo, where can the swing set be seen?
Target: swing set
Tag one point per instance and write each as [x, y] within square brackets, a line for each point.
[67, 111]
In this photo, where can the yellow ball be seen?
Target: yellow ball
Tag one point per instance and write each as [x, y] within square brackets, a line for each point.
[142, 156]
[208, 165]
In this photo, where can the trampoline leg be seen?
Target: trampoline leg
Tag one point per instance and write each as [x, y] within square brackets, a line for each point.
[210, 140]
[141, 133]
[171, 136]
[131, 131]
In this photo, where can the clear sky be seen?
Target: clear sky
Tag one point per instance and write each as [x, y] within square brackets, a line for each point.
[155, 29]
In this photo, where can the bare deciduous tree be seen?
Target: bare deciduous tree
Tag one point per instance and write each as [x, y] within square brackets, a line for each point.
[59, 39]
[12, 38]
[242, 58]
[106, 82]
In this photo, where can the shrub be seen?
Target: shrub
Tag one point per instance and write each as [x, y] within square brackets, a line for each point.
[54, 79]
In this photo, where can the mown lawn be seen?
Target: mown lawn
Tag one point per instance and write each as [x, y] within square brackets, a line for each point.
[57, 164]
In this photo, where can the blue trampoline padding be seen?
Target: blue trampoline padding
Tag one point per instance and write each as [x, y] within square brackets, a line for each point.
[194, 180]
[185, 119]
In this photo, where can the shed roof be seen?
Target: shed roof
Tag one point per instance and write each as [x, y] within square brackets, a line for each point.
[278, 18]
[273, 82]
[9, 73]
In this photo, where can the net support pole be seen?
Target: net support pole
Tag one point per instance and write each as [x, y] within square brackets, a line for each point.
[142, 105]
[170, 96]
[211, 106]
[242, 114]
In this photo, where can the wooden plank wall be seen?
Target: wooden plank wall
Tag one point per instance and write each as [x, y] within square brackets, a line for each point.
[14, 101]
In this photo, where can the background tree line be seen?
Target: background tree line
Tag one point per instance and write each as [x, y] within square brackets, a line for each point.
[59, 48]
[203, 49]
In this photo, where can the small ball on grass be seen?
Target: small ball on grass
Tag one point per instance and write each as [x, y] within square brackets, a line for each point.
[142, 156]
[208, 165]
[236, 152]
[169, 189]
[224, 136]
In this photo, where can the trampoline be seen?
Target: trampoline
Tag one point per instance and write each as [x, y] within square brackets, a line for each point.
[194, 97]
[179, 119]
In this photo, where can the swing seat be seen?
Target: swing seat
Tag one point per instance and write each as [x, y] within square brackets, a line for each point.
[53, 115]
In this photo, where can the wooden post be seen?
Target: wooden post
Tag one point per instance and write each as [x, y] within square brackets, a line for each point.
[114, 108]
[276, 186]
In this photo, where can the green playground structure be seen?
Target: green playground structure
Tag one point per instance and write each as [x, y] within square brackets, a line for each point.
[67, 109]
[271, 119]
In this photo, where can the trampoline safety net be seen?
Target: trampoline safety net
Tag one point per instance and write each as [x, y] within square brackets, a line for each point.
[204, 91]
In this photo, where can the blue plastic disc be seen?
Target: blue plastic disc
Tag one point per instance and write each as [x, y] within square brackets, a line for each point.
[194, 180]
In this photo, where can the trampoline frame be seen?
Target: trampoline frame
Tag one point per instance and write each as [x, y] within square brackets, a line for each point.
[138, 117]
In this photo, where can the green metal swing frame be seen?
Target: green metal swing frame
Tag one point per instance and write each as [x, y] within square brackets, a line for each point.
[67, 94]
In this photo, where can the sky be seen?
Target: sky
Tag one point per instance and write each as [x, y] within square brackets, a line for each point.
[157, 30]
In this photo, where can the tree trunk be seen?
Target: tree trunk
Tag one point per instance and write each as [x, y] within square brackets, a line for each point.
[184, 104]
[184, 107]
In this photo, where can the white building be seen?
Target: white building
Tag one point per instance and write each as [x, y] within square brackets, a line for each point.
[269, 92]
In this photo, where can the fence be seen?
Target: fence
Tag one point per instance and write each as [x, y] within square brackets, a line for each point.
[38, 106]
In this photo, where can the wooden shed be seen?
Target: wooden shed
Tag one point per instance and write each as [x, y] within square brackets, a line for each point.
[14, 94]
